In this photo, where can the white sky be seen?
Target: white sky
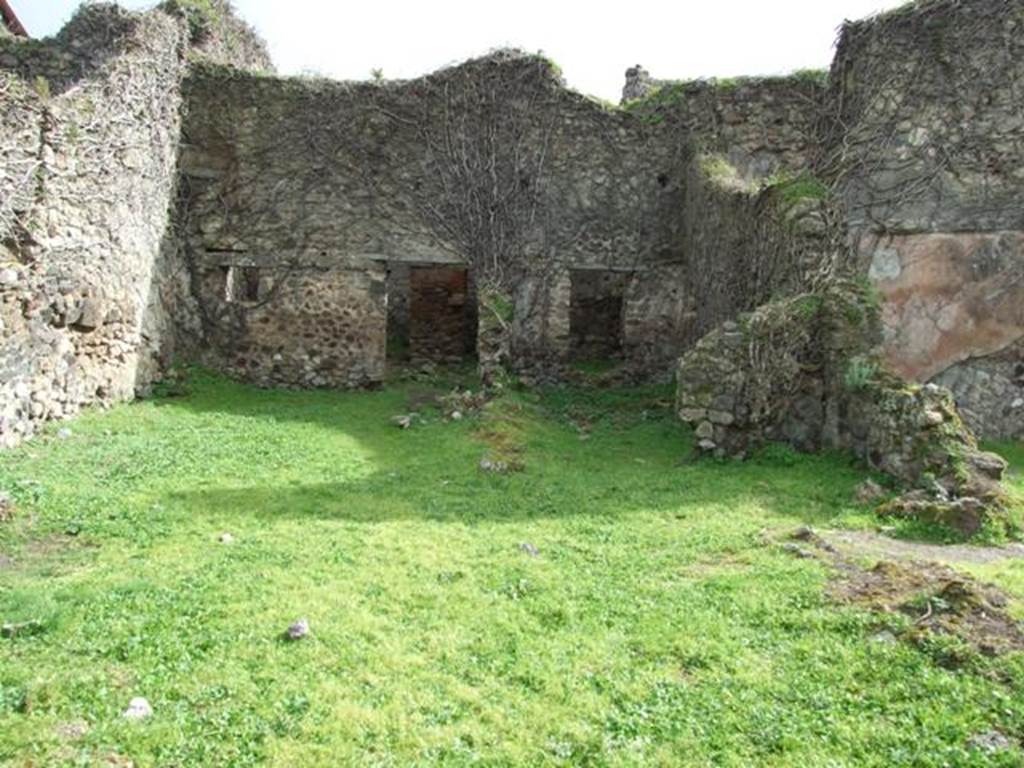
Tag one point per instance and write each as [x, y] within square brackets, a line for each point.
[594, 42]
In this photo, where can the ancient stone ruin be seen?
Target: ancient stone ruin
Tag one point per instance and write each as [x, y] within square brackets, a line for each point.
[814, 256]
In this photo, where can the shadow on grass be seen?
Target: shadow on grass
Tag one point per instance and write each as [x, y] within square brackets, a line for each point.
[630, 459]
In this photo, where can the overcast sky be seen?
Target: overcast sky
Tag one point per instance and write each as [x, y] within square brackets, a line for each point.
[593, 42]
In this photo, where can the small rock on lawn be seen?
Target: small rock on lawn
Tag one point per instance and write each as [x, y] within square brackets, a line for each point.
[298, 630]
[138, 709]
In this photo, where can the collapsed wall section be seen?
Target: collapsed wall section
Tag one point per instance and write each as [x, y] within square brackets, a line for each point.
[800, 370]
[927, 147]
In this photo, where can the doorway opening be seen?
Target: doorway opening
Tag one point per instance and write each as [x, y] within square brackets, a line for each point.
[432, 314]
[596, 314]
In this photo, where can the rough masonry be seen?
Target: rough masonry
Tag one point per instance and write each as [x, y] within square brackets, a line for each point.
[89, 278]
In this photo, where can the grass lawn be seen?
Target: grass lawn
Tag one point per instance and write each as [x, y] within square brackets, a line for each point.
[657, 625]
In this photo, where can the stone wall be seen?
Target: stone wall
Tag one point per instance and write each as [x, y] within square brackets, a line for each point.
[84, 240]
[491, 165]
[927, 149]
[90, 286]
[302, 327]
[990, 392]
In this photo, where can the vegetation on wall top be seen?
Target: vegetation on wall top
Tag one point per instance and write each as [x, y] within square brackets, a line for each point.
[202, 15]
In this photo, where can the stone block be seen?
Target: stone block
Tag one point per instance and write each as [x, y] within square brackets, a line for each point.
[692, 415]
[724, 418]
[90, 313]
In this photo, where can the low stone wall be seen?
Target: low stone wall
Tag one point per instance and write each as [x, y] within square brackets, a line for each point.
[763, 376]
[801, 371]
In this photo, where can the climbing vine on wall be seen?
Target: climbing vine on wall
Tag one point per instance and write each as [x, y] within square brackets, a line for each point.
[491, 164]
[486, 140]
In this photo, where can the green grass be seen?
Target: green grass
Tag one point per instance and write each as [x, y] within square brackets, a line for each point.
[804, 187]
[657, 627]
[1014, 454]
[596, 367]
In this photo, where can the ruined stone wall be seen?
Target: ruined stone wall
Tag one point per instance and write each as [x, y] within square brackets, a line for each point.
[218, 36]
[756, 224]
[294, 196]
[917, 183]
[492, 165]
[927, 147]
[801, 370]
[90, 177]
[90, 288]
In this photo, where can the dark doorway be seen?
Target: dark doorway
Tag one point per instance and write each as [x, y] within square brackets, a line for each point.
[596, 318]
[431, 314]
[398, 312]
